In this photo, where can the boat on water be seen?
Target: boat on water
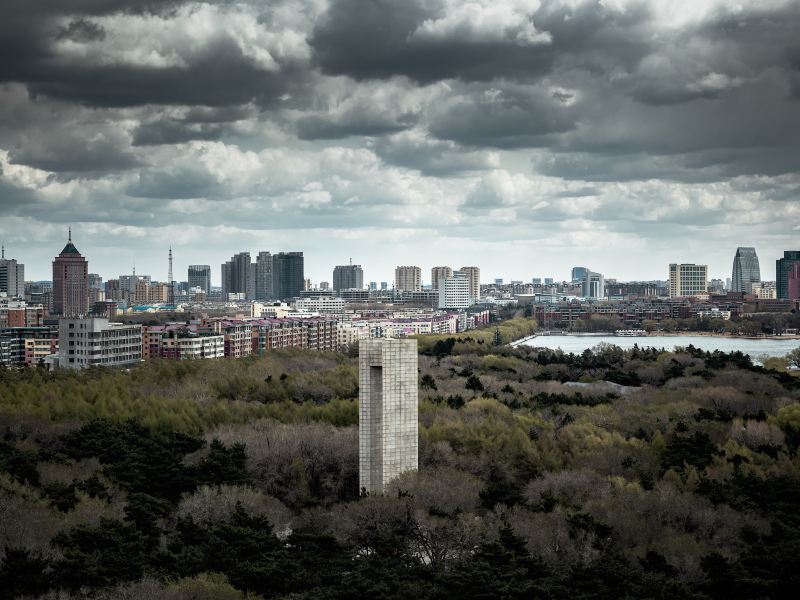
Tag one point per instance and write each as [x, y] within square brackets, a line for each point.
[630, 333]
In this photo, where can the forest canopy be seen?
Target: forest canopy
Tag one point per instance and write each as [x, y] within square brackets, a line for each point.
[612, 473]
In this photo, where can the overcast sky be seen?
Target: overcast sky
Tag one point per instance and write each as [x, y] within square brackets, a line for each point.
[524, 137]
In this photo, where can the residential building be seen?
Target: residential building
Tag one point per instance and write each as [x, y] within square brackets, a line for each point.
[348, 277]
[746, 270]
[325, 305]
[439, 273]
[473, 274]
[12, 276]
[687, 279]
[200, 277]
[408, 279]
[94, 341]
[454, 292]
[18, 313]
[388, 421]
[765, 290]
[593, 285]
[263, 276]
[70, 282]
[782, 268]
[180, 342]
[236, 275]
[27, 345]
[288, 278]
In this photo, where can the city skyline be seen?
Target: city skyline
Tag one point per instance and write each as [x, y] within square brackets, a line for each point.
[503, 133]
[325, 270]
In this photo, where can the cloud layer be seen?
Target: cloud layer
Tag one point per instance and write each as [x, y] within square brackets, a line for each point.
[522, 135]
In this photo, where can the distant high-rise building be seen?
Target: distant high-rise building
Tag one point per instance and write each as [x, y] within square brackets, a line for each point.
[454, 292]
[348, 277]
[548, 281]
[12, 276]
[536, 281]
[579, 274]
[70, 282]
[793, 282]
[408, 279]
[439, 273]
[288, 278]
[95, 281]
[717, 286]
[594, 285]
[746, 271]
[687, 279]
[782, 268]
[200, 277]
[388, 421]
[236, 274]
[263, 276]
[373, 285]
[498, 281]
[474, 276]
[384, 285]
[324, 285]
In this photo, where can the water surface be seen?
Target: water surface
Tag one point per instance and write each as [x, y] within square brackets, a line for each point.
[754, 347]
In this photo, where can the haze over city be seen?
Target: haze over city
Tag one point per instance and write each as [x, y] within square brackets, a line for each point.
[521, 136]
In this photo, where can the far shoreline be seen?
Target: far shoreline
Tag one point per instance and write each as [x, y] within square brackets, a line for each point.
[676, 334]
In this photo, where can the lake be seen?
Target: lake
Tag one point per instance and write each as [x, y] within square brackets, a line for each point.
[754, 347]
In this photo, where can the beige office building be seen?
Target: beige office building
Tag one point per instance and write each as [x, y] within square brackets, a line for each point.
[439, 273]
[408, 279]
[474, 276]
[688, 280]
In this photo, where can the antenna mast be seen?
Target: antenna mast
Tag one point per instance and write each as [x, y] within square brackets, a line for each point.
[171, 283]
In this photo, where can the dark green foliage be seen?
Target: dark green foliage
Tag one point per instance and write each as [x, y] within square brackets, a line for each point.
[474, 383]
[245, 549]
[428, 382]
[500, 488]
[146, 512]
[150, 462]
[456, 401]
[696, 450]
[61, 495]
[19, 464]
[500, 569]
[223, 465]
[22, 572]
[101, 556]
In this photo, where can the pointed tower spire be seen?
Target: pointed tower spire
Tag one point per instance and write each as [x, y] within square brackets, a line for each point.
[171, 282]
[69, 234]
[3, 253]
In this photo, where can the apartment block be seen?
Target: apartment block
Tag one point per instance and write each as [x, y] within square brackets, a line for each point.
[687, 279]
[94, 341]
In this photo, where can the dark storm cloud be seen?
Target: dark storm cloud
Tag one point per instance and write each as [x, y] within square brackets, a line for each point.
[320, 116]
[431, 157]
[379, 39]
[178, 184]
[81, 30]
[373, 39]
[504, 117]
[330, 128]
[221, 75]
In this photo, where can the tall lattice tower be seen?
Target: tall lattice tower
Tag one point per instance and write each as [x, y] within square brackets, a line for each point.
[170, 281]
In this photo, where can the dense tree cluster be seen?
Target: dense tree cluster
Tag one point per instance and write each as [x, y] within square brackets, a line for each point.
[640, 474]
